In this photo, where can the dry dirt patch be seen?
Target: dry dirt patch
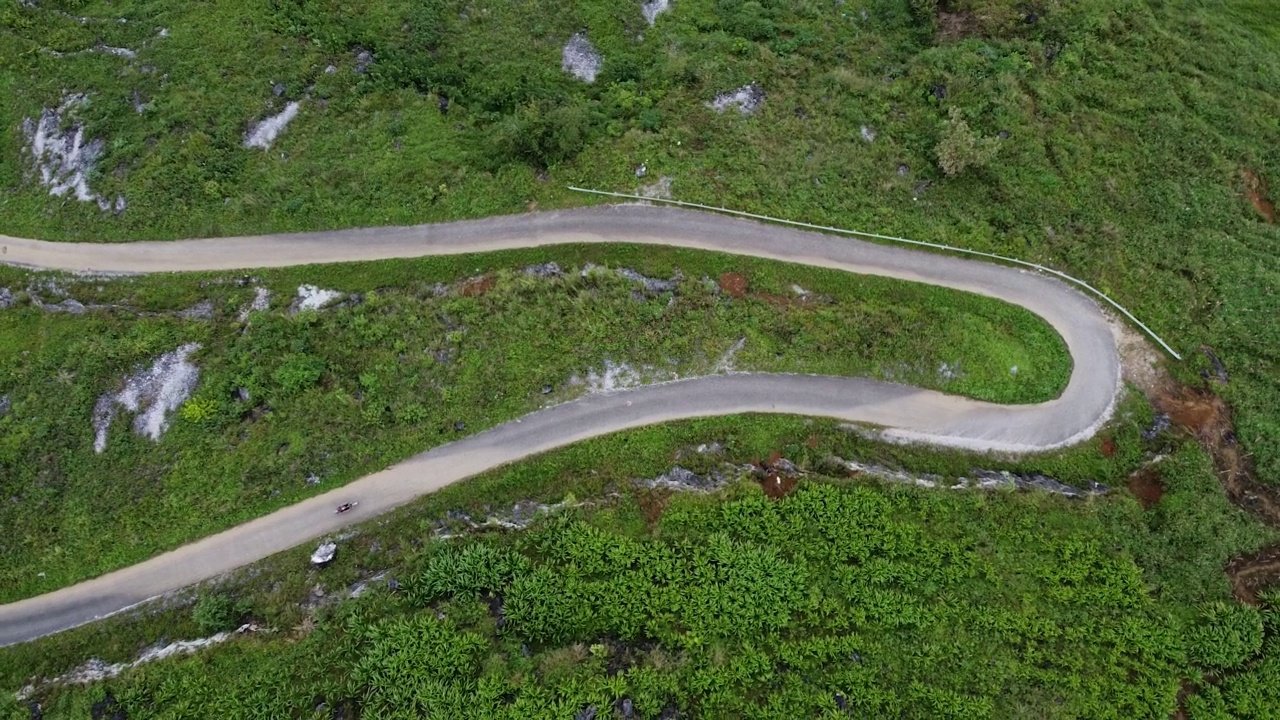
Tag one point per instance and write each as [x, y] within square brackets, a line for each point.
[1251, 573]
[1146, 487]
[1255, 188]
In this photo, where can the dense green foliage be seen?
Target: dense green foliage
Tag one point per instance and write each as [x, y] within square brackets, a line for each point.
[289, 404]
[883, 598]
[839, 598]
[217, 612]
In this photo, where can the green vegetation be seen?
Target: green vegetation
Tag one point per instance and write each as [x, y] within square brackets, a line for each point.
[1124, 141]
[890, 600]
[292, 404]
[1122, 130]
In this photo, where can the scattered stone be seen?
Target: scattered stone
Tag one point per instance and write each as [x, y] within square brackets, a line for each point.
[661, 189]
[1160, 424]
[580, 59]
[313, 479]
[459, 426]
[264, 133]
[725, 363]
[545, 270]
[982, 480]
[364, 61]
[261, 301]
[903, 170]
[242, 394]
[641, 170]
[1219, 370]
[546, 389]
[324, 553]
[626, 708]
[311, 297]
[1003, 135]
[138, 105]
[684, 480]
[746, 99]
[202, 310]
[653, 285]
[63, 158]
[868, 134]
[68, 305]
[5, 404]
[278, 89]
[949, 371]
[117, 51]
[651, 9]
[330, 69]
[1013, 370]
[443, 104]
[151, 394]
[97, 670]
[6, 298]
[586, 713]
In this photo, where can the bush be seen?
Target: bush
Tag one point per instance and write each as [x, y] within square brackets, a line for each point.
[1226, 636]
[299, 372]
[960, 147]
[199, 410]
[217, 613]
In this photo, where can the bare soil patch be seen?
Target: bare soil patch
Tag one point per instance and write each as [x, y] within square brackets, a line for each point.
[1252, 573]
[475, 287]
[1108, 447]
[953, 26]
[777, 476]
[653, 502]
[1255, 188]
[1146, 486]
[734, 284]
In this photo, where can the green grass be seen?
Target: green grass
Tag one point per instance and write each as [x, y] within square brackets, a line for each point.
[343, 392]
[958, 604]
[1129, 124]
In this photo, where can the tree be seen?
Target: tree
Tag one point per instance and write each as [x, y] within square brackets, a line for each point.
[960, 147]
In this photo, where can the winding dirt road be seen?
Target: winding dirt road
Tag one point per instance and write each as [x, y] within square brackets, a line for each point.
[908, 414]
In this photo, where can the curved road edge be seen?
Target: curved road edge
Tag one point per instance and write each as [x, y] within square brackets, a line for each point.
[908, 414]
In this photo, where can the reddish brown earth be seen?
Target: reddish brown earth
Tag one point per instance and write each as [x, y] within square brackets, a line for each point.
[1207, 417]
[1108, 447]
[653, 502]
[1146, 486]
[777, 485]
[1255, 187]
[475, 287]
[775, 481]
[1252, 573]
[734, 284]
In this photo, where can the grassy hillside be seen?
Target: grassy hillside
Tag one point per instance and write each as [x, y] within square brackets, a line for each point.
[843, 597]
[1129, 142]
[289, 404]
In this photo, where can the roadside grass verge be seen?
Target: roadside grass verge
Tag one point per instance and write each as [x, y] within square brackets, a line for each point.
[415, 354]
[959, 604]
